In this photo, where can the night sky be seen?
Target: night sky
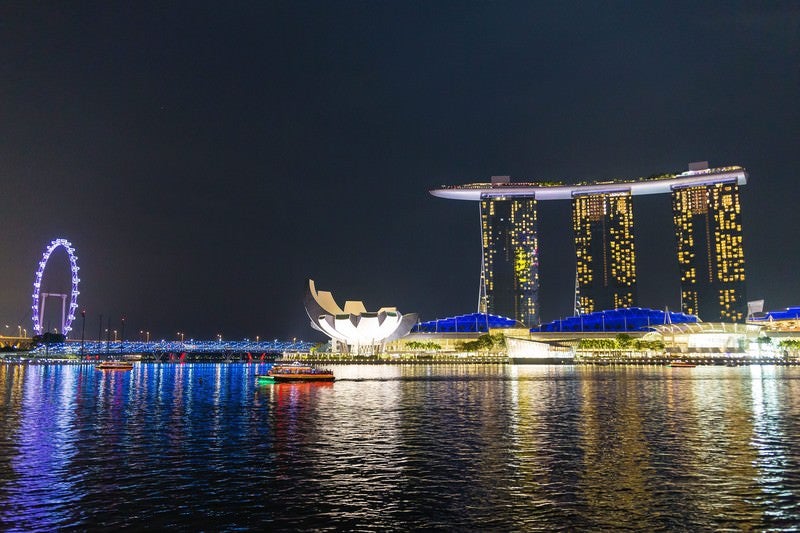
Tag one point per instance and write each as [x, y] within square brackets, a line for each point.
[206, 159]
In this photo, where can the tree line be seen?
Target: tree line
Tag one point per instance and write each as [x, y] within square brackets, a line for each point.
[622, 341]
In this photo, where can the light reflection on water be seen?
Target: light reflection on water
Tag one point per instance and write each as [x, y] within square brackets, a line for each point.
[400, 447]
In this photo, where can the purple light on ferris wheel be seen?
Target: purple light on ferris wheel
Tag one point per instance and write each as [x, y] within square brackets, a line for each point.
[37, 284]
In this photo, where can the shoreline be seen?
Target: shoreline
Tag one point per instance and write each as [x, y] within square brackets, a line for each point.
[419, 361]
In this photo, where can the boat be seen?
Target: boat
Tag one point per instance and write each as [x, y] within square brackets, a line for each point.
[297, 372]
[682, 364]
[263, 379]
[114, 365]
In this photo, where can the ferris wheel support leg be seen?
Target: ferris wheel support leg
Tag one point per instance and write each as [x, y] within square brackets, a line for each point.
[63, 314]
[41, 313]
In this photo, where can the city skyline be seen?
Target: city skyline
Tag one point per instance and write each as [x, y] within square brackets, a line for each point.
[204, 162]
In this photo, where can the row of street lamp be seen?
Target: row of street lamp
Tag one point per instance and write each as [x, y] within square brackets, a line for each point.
[180, 335]
[143, 334]
[21, 332]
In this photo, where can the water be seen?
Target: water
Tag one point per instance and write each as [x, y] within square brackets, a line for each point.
[396, 448]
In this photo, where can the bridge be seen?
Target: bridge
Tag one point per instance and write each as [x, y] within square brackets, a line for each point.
[16, 342]
[159, 348]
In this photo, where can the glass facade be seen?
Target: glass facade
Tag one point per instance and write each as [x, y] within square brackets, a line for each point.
[708, 232]
[510, 263]
[604, 250]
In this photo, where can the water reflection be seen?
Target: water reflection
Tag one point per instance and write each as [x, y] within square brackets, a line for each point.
[774, 408]
[400, 447]
[45, 443]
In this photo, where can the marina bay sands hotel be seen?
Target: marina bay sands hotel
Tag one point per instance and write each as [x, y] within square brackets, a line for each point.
[707, 219]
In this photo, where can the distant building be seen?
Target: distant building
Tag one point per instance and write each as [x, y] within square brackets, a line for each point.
[785, 320]
[708, 228]
[451, 332]
[616, 320]
[604, 251]
[509, 269]
[708, 338]
[471, 323]
[708, 231]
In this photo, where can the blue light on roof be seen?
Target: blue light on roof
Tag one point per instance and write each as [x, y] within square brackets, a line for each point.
[624, 319]
[790, 313]
[163, 347]
[471, 323]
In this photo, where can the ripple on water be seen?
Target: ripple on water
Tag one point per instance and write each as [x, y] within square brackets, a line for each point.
[397, 448]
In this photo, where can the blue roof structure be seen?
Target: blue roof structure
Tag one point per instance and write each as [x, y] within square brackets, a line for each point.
[624, 319]
[790, 313]
[471, 323]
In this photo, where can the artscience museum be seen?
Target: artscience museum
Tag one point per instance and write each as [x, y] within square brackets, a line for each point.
[353, 329]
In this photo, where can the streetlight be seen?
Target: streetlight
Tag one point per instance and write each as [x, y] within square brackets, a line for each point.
[219, 337]
[257, 338]
[181, 334]
[83, 330]
[115, 335]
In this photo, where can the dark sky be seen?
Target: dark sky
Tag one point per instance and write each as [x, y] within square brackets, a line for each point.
[205, 159]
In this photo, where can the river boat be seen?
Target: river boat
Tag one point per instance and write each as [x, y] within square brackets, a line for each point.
[264, 379]
[298, 372]
[114, 365]
[682, 364]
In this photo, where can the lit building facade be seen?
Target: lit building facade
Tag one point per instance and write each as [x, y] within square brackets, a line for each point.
[707, 218]
[708, 233]
[605, 255]
[352, 329]
[509, 283]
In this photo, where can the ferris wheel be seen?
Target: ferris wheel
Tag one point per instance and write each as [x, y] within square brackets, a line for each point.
[40, 298]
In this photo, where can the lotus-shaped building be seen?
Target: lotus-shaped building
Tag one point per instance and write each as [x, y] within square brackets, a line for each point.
[353, 329]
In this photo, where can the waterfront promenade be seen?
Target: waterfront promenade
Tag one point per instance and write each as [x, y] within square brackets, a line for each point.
[604, 359]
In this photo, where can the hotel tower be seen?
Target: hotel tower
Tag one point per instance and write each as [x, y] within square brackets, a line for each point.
[509, 283]
[708, 231]
[604, 253]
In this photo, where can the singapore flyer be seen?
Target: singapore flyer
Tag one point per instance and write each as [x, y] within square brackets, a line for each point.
[39, 297]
